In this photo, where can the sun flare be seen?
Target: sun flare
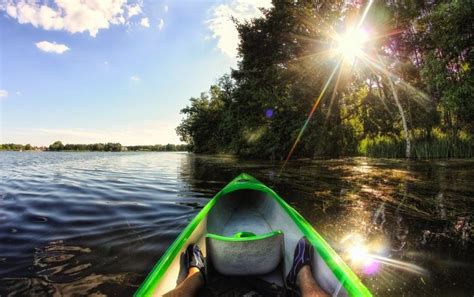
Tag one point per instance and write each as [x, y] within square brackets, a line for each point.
[358, 253]
[351, 44]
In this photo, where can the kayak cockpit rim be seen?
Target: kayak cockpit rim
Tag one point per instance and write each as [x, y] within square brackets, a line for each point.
[339, 268]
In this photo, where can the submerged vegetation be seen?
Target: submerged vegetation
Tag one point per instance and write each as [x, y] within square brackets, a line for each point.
[403, 89]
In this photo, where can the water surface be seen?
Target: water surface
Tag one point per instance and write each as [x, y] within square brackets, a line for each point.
[96, 223]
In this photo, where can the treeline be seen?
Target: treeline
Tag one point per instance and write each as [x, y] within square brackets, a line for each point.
[159, 148]
[96, 147]
[17, 147]
[413, 84]
[115, 147]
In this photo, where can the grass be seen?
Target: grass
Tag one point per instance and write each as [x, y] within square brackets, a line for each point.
[440, 146]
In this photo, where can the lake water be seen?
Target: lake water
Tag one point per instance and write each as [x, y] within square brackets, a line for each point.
[96, 223]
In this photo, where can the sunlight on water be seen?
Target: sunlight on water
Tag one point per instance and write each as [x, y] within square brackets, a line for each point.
[368, 256]
[98, 222]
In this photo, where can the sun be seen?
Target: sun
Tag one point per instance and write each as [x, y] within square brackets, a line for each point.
[351, 44]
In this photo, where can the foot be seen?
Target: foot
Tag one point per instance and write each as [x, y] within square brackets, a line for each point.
[303, 256]
[194, 272]
[194, 258]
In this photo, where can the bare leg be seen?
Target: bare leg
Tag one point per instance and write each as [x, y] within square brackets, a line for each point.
[189, 286]
[307, 284]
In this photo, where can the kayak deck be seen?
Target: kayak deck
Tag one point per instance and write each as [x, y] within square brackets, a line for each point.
[245, 219]
[246, 205]
[242, 214]
[245, 211]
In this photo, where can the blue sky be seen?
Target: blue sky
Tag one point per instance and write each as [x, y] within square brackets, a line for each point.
[110, 70]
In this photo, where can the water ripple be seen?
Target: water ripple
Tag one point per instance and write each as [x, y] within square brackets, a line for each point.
[96, 223]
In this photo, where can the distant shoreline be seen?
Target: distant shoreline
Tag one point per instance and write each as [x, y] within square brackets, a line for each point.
[78, 151]
[58, 146]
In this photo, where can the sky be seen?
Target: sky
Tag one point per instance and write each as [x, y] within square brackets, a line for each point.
[110, 70]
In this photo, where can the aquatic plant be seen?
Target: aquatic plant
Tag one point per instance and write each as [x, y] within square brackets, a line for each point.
[439, 146]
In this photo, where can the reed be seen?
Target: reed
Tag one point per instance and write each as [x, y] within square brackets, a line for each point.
[440, 146]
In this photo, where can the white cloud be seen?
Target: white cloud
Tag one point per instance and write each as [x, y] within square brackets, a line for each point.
[145, 22]
[135, 78]
[133, 10]
[3, 93]
[53, 47]
[165, 8]
[71, 16]
[223, 28]
[161, 24]
[129, 133]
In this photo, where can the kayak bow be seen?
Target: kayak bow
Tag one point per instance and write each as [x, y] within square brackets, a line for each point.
[248, 213]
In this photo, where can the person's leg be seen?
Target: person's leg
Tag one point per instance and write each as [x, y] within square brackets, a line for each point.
[189, 286]
[307, 284]
[195, 278]
[300, 275]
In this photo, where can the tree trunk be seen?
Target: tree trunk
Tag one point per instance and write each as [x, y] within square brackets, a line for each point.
[404, 121]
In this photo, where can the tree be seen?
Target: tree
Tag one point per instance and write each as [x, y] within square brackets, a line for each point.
[56, 146]
[423, 83]
[203, 122]
[113, 147]
[448, 39]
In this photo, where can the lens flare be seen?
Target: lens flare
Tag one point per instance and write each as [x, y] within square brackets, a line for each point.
[360, 256]
[351, 44]
[368, 256]
[313, 109]
[269, 113]
[358, 253]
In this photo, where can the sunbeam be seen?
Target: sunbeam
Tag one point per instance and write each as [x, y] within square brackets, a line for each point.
[364, 15]
[352, 45]
[333, 96]
[313, 109]
[348, 46]
[371, 62]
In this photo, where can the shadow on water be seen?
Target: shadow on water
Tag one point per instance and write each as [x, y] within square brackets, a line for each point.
[96, 223]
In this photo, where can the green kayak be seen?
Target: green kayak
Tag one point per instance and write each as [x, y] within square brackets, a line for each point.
[247, 229]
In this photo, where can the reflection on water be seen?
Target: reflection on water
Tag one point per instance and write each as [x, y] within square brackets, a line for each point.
[62, 271]
[96, 223]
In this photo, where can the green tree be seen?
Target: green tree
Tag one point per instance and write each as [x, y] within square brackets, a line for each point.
[423, 85]
[447, 35]
[56, 146]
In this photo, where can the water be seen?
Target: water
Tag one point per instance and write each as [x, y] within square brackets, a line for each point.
[96, 223]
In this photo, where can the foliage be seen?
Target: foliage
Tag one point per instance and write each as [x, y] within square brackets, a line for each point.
[158, 148]
[382, 147]
[16, 147]
[259, 109]
[439, 146]
[56, 146]
[97, 147]
[100, 147]
[205, 121]
[447, 70]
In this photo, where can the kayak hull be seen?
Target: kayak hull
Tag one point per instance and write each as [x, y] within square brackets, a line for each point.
[246, 204]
